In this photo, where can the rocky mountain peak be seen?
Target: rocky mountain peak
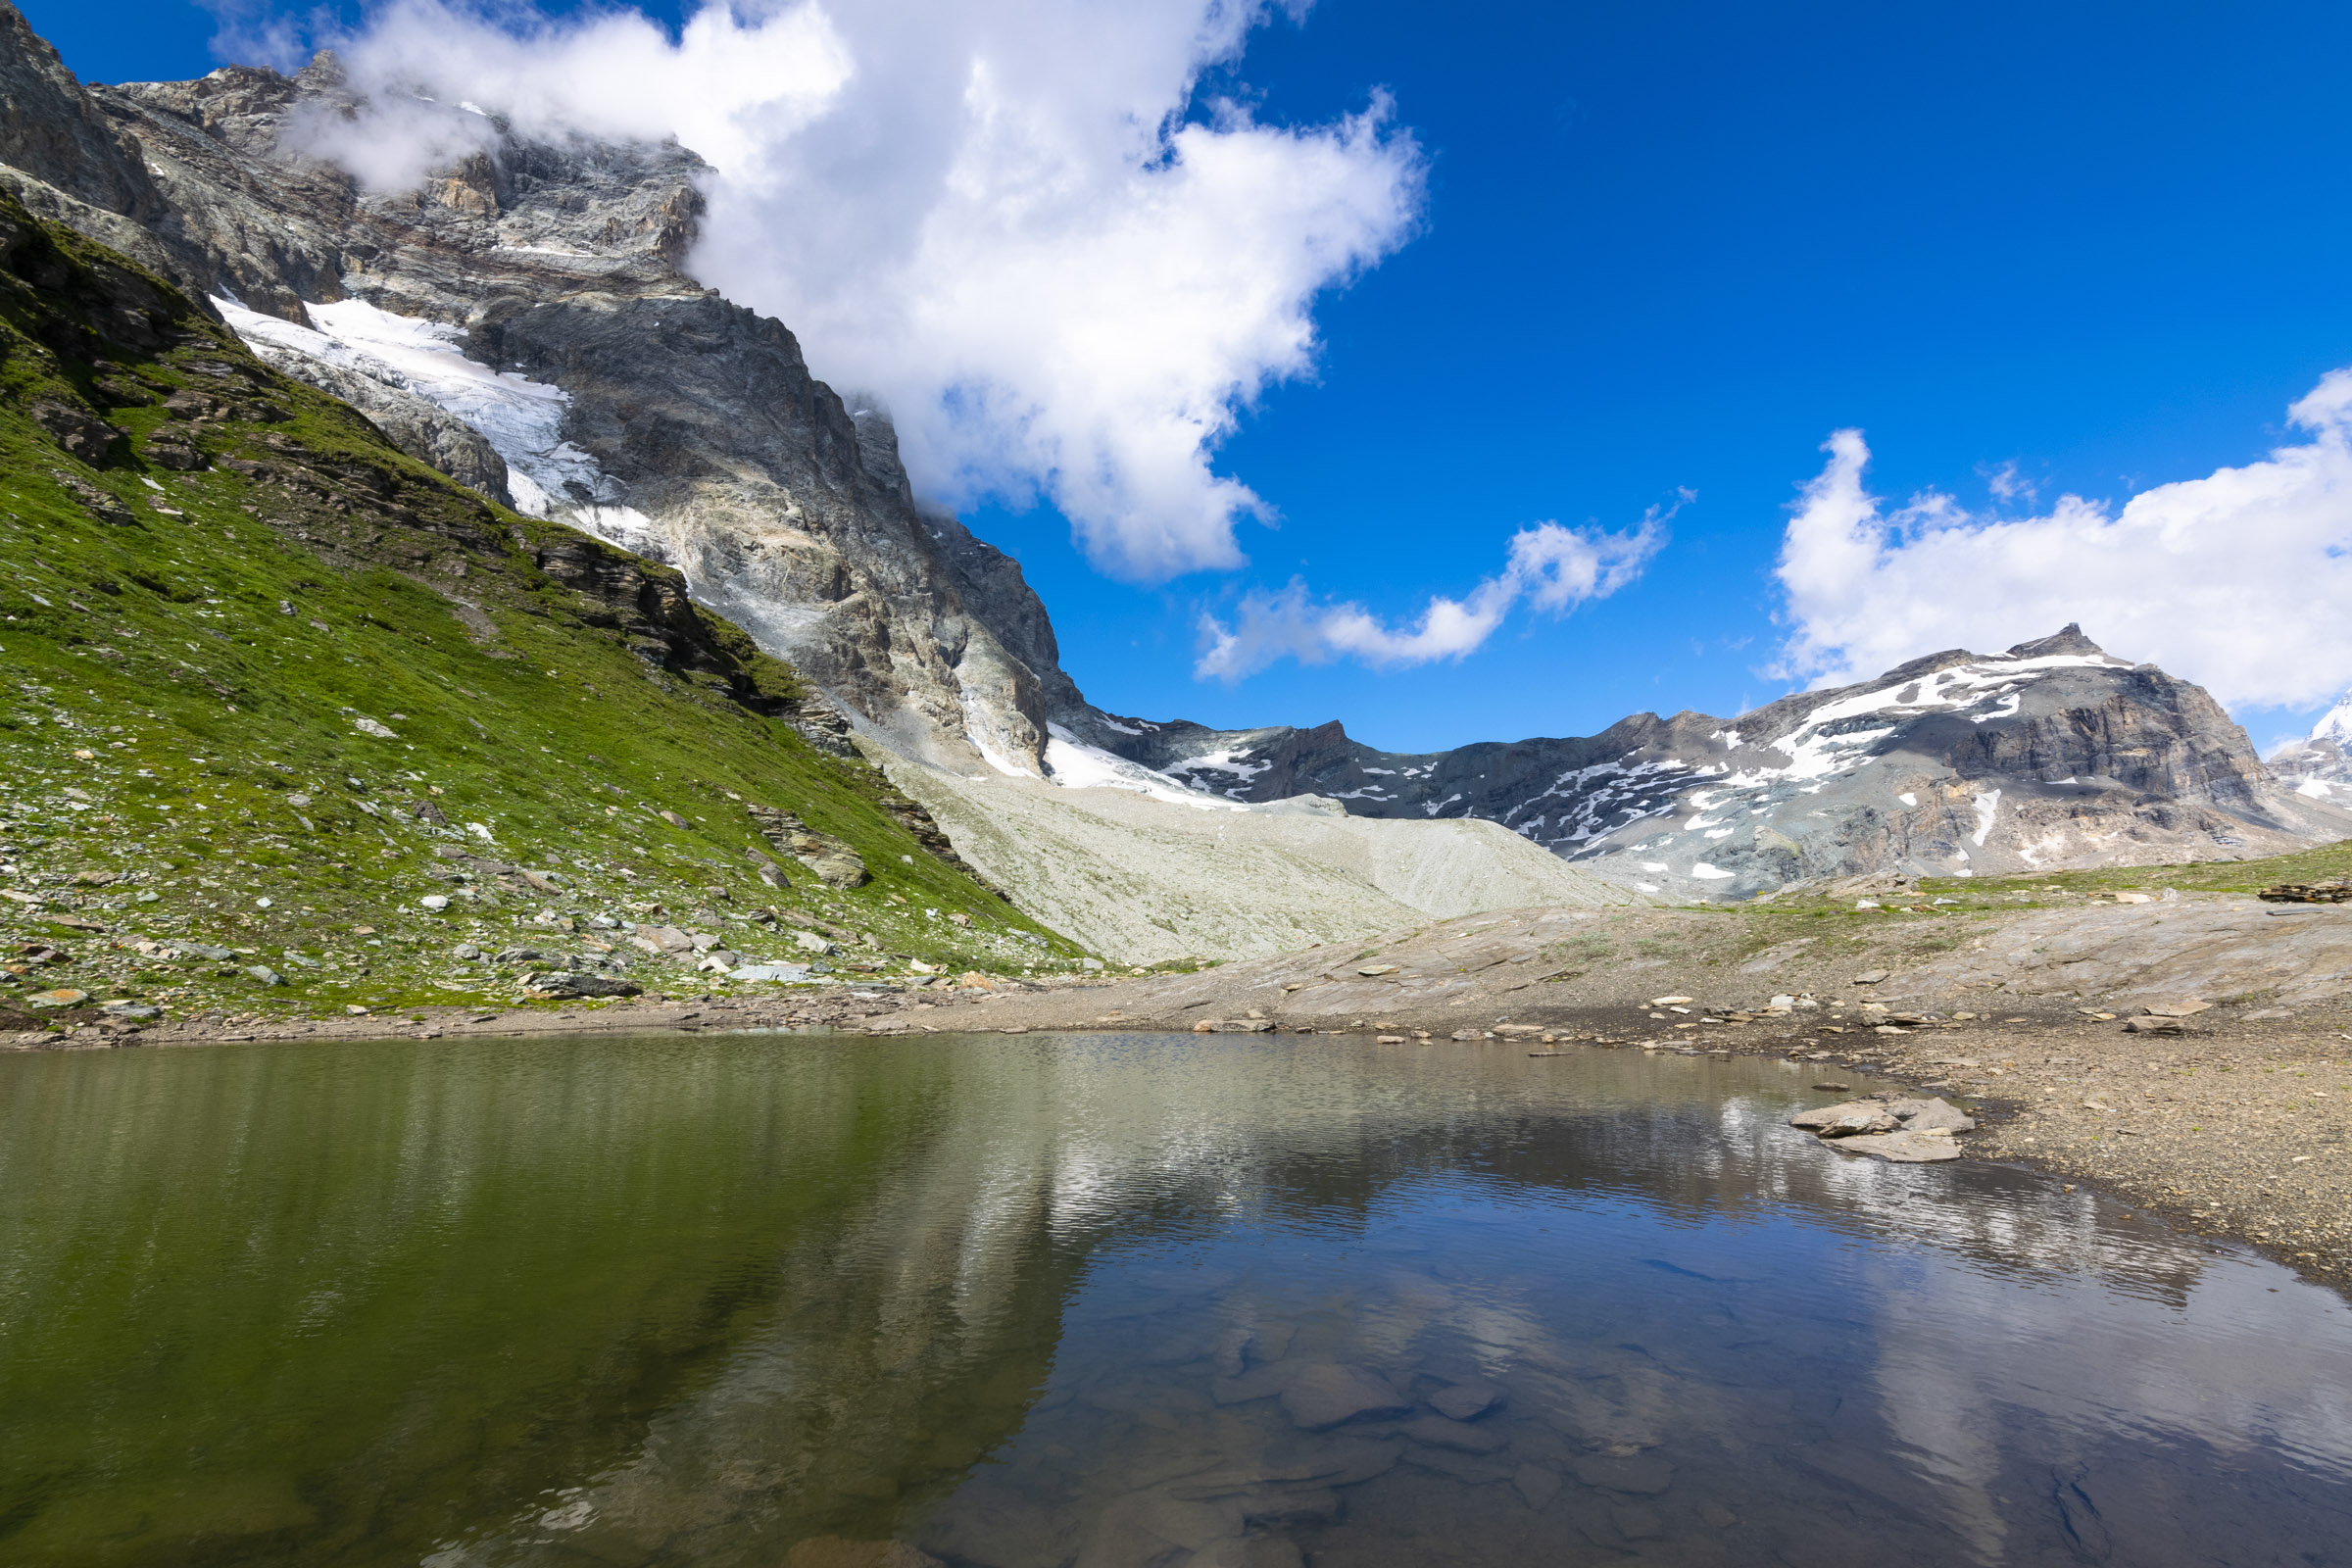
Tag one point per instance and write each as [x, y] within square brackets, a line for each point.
[2068, 640]
[2319, 765]
[2051, 753]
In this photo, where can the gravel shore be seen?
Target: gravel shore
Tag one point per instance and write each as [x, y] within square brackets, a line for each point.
[2233, 1121]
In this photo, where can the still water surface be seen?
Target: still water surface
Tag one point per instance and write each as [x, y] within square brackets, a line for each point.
[1033, 1302]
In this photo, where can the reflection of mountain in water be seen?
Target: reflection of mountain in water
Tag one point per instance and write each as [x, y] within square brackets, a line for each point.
[694, 1301]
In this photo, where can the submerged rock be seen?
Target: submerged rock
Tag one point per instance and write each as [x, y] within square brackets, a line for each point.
[1329, 1393]
[1465, 1402]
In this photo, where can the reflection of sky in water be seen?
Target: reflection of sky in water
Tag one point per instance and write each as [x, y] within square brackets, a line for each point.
[1640, 1253]
[1100, 1268]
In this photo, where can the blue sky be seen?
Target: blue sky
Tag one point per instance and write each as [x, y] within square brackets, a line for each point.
[1674, 246]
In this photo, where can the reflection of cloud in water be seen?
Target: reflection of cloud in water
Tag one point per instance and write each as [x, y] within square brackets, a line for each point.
[1071, 1246]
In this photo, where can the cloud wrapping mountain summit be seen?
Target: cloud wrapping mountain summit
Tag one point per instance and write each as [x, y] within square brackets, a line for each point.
[1006, 222]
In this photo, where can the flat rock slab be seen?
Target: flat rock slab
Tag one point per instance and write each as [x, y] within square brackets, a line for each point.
[1903, 1147]
[1930, 1115]
[1329, 1393]
[1536, 1485]
[1461, 1436]
[1465, 1402]
[1855, 1117]
[1642, 1474]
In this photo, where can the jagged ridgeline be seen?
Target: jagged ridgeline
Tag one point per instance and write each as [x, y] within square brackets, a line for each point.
[277, 692]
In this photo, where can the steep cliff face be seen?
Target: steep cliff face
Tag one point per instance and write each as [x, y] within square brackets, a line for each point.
[533, 295]
[2051, 755]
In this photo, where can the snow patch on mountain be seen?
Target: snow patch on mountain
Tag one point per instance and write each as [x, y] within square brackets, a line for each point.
[2320, 767]
[523, 419]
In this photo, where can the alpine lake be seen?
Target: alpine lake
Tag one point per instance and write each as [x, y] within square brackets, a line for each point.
[1105, 1300]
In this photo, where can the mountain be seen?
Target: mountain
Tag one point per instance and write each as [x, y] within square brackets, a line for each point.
[2055, 754]
[293, 719]
[522, 324]
[525, 322]
[2320, 767]
[535, 294]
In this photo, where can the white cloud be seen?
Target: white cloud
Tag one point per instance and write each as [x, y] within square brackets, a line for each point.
[2235, 580]
[1551, 567]
[990, 214]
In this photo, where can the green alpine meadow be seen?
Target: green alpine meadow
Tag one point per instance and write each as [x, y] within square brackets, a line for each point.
[293, 723]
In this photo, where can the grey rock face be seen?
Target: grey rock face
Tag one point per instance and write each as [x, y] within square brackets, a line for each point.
[637, 404]
[2051, 755]
[835, 863]
[49, 125]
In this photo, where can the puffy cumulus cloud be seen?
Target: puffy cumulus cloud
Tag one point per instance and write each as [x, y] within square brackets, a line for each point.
[999, 217]
[1551, 567]
[2230, 580]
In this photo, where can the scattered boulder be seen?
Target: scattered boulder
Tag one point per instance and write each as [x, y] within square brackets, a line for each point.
[78, 431]
[771, 971]
[265, 974]
[663, 938]
[62, 997]
[835, 863]
[578, 983]
[1852, 1119]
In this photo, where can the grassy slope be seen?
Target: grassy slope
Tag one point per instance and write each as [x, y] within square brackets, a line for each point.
[171, 683]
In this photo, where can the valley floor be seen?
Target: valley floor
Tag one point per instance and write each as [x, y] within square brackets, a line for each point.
[2233, 1121]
